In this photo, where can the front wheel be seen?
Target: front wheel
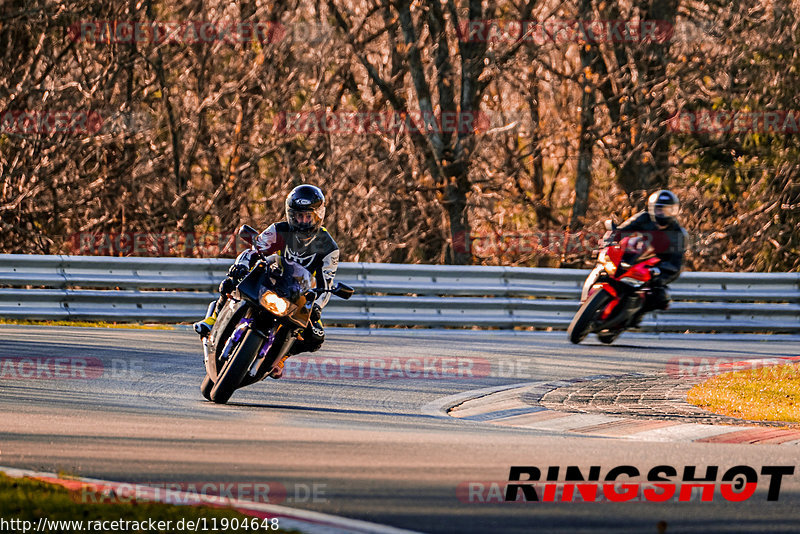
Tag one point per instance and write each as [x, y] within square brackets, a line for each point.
[609, 337]
[582, 322]
[206, 386]
[236, 367]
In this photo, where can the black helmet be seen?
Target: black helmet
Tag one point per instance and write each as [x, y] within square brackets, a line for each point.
[309, 201]
[663, 207]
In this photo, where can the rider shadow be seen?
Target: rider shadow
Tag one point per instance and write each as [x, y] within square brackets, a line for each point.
[630, 346]
[343, 411]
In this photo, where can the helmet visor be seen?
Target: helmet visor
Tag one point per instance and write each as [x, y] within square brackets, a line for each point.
[665, 211]
[305, 220]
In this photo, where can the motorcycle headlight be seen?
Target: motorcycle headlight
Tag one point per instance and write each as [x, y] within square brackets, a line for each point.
[277, 305]
[610, 267]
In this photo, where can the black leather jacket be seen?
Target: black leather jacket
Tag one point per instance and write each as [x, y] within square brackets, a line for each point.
[669, 243]
[320, 255]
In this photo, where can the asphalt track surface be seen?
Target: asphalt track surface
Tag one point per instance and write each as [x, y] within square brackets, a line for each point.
[363, 443]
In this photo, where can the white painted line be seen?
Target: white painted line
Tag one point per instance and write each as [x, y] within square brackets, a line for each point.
[558, 334]
[684, 432]
[305, 521]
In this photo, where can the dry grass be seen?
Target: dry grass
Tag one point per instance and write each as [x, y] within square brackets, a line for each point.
[764, 394]
[91, 324]
[27, 499]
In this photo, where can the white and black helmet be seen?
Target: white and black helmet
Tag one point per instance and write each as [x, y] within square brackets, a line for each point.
[663, 206]
[305, 199]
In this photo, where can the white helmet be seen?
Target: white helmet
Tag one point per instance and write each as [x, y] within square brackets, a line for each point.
[663, 206]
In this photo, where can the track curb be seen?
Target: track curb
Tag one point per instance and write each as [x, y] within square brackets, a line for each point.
[520, 406]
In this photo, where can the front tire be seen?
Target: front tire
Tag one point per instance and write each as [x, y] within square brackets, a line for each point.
[206, 386]
[236, 368]
[582, 322]
[609, 337]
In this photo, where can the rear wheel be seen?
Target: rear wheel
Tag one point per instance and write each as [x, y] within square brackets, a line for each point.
[583, 321]
[236, 368]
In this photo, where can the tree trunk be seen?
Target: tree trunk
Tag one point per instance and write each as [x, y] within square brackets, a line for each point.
[583, 178]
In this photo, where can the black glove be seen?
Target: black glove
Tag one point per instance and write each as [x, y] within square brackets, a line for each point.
[657, 279]
[276, 267]
[238, 271]
[316, 313]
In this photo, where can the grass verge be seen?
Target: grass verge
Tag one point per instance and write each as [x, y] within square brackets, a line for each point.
[764, 394]
[25, 499]
[91, 324]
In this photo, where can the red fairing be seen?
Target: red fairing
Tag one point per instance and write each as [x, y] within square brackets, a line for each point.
[641, 271]
[615, 252]
[611, 306]
[610, 289]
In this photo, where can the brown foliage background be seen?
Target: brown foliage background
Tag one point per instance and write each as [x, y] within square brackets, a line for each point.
[190, 140]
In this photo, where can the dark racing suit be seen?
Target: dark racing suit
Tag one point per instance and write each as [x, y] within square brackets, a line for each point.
[320, 255]
[669, 244]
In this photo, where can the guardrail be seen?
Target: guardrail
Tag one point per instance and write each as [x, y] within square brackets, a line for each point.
[179, 289]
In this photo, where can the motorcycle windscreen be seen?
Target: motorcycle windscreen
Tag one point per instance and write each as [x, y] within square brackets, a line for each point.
[293, 285]
[250, 288]
[301, 276]
[290, 282]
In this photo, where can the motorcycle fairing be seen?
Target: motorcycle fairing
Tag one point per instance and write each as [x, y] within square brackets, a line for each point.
[225, 323]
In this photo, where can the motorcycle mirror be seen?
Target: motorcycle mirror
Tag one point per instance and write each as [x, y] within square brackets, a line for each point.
[248, 234]
[610, 225]
[343, 291]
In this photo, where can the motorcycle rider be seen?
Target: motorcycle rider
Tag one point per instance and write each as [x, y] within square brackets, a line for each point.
[302, 239]
[659, 225]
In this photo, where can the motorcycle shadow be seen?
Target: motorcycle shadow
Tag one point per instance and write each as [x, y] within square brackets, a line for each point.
[629, 345]
[318, 409]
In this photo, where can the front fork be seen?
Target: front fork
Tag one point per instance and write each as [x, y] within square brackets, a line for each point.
[265, 348]
[269, 341]
[230, 343]
[627, 301]
[259, 366]
[211, 308]
[590, 281]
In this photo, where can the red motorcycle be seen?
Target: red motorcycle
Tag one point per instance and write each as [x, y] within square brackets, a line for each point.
[615, 289]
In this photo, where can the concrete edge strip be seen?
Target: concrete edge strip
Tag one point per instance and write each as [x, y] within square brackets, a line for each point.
[503, 414]
[575, 422]
[440, 406]
[306, 521]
